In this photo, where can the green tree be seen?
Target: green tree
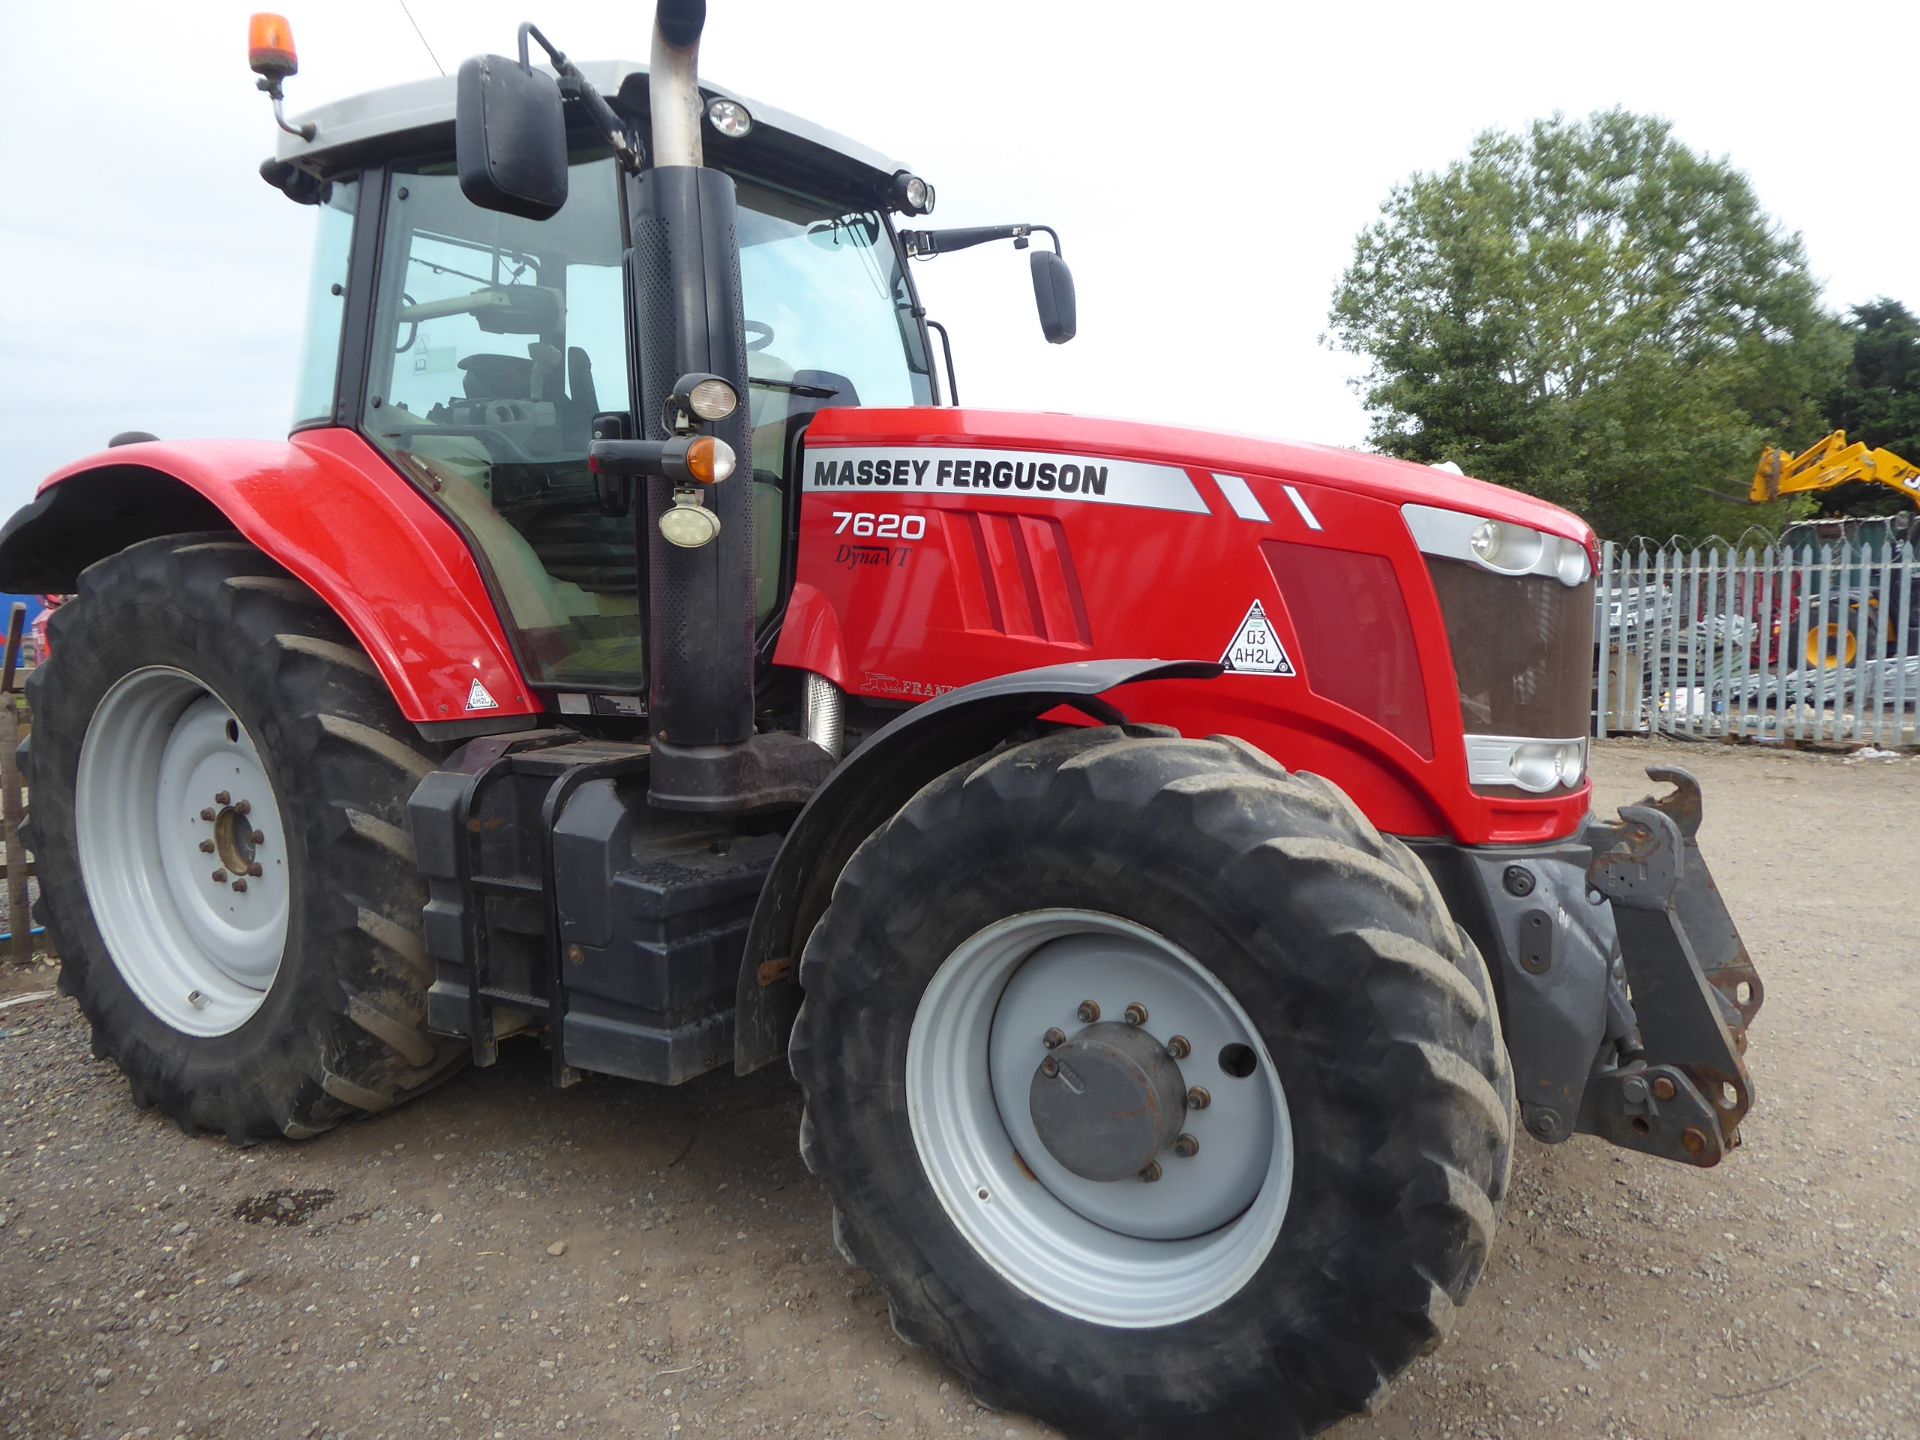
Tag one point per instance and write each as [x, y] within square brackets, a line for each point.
[1878, 401]
[1593, 313]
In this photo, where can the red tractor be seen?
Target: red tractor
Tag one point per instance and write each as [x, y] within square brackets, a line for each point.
[1164, 858]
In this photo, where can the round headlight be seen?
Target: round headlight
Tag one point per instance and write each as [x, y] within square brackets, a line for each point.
[1571, 763]
[1572, 566]
[1535, 766]
[1485, 540]
[730, 118]
[1501, 545]
[912, 194]
[713, 399]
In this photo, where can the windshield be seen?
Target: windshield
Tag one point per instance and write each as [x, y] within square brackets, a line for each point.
[497, 339]
[824, 292]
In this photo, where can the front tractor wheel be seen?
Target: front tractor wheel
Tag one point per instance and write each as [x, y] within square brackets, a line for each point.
[1154, 1086]
[219, 797]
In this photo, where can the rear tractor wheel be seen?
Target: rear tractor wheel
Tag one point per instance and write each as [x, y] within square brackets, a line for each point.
[1154, 1086]
[219, 787]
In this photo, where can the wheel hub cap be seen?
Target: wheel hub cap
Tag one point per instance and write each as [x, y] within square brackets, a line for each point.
[1133, 1174]
[1107, 1101]
[182, 850]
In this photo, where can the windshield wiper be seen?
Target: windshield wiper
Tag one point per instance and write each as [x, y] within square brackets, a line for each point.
[811, 392]
[437, 268]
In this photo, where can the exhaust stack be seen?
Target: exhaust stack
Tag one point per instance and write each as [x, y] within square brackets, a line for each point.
[673, 81]
[684, 276]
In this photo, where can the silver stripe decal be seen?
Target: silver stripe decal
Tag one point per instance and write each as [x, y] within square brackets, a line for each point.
[968, 471]
[1300, 504]
[1241, 497]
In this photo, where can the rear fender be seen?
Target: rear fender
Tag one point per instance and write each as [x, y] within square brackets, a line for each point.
[327, 507]
[873, 783]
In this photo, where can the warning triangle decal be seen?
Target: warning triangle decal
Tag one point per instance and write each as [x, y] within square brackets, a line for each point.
[1256, 649]
[480, 698]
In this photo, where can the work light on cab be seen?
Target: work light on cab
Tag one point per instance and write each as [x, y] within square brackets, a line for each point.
[713, 399]
[912, 195]
[698, 396]
[730, 118]
[687, 523]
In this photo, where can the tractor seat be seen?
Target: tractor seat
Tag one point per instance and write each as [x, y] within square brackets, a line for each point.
[497, 377]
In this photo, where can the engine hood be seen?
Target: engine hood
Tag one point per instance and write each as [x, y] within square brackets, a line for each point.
[1380, 477]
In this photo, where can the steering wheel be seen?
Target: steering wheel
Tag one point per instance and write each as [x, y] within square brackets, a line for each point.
[413, 327]
[759, 335]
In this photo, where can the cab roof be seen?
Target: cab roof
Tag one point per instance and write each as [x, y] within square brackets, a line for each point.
[418, 116]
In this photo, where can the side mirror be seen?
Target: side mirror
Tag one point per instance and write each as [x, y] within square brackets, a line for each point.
[1053, 294]
[510, 138]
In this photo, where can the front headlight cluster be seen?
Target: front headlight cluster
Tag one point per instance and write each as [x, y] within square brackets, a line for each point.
[1521, 550]
[1541, 765]
[1536, 766]
[1502, 546]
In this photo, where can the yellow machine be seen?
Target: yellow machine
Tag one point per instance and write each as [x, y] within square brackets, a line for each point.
[1829, 464]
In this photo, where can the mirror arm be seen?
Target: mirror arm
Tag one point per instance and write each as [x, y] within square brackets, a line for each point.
[573, 82]
[924, 243]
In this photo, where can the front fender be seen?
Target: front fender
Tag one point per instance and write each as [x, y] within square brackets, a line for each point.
[867, 788]
[327, 507]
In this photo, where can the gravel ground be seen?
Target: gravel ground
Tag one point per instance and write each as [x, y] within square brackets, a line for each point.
[503, 1260]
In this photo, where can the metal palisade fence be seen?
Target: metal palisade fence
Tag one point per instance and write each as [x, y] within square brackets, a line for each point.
[1810, 636]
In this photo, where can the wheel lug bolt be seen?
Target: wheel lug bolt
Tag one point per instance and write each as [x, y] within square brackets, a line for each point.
[1152, 1172]
[206, 847]
[222, 798]
[255, 870]
[1089, 1012]
[245, 807]
[257, 838]
[207, 814]
[1136, 1014]
[239, 886]
[1054, 1038]
[1049, 1067]
[196, 999]
[1186, 1147]
[1198, 1098]
[1179, 1048]
[219, 877]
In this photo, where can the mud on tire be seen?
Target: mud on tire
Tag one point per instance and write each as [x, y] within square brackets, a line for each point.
[341, 1030]
[1371, 1005]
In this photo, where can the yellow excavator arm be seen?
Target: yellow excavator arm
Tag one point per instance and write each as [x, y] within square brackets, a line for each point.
[1832, 462]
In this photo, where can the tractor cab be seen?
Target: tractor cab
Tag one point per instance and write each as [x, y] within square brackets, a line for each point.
[475, 349]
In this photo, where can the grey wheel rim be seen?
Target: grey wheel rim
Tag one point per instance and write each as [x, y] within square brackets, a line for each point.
[182, 851]
[1132, 1253]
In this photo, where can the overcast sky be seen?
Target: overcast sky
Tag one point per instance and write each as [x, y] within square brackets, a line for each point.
[1208, 185]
